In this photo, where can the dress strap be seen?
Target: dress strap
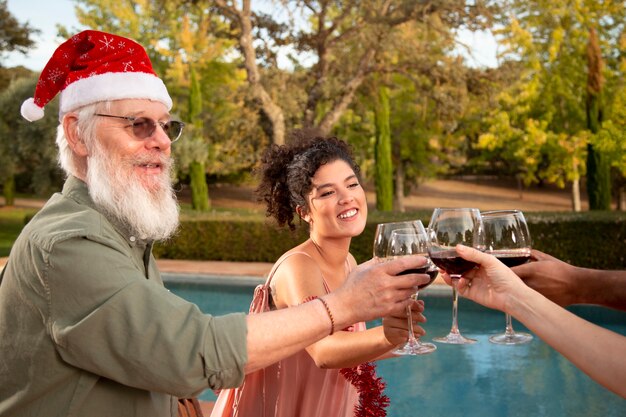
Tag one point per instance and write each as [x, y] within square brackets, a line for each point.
[280, 261]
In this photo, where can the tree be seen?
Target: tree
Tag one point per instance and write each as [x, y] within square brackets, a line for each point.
[199, 191]
[241, 18]
[611, 141]
[14, 36]
[344, 38]
[546, 107]
[28, 155]
[384, 169]
[177, 36]
[598, 166]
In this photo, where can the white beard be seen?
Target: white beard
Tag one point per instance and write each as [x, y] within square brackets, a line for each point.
[151, 214]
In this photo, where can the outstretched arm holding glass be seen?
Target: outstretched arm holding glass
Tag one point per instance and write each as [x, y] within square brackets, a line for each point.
[567, 284]
[595, 350]
[81, 296]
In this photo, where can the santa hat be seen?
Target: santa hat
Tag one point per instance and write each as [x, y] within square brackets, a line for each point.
[95, 66]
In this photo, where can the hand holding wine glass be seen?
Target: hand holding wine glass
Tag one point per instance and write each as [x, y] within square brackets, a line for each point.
[508, 239]
[448, 228]
[408, 242]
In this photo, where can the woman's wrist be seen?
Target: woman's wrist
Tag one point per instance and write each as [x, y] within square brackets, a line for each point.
[517, 302]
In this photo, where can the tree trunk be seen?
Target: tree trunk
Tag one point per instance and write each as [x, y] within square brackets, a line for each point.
[576, 205]
[342, 103]
[398, 202]
[382, 154]
[576, 195]
[273, 112]
[9, 191]
[621, 199]
[199, 189]
[520, 186]
[329, 39]
[242, 18]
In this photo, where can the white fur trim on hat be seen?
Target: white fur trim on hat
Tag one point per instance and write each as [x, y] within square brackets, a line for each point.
[113, 86]
[30, 111]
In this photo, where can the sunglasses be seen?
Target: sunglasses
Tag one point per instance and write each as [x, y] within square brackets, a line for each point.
[144, 127]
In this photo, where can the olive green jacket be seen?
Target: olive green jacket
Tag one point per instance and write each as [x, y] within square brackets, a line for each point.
[88, 329]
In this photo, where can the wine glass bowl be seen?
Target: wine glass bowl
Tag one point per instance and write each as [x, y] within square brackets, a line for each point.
[507, 238]
[412, 242]
[448, 228]
[452, 263]
[383, 235]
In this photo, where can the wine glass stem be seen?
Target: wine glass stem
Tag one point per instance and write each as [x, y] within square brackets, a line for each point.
[409, 315]
[509, 325]
[455, 305]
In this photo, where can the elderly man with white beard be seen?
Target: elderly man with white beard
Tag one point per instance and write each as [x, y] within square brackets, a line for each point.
[86, 325]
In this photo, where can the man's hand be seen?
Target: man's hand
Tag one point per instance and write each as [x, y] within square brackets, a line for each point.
[374, 290]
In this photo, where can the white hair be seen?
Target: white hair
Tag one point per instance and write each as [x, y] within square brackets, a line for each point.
[86, 130]
[151, 212]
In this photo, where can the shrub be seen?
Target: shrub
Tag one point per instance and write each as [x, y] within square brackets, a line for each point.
[590, 239]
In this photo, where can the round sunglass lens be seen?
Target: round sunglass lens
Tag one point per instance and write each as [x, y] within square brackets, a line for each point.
[143, 128]
[173, 129]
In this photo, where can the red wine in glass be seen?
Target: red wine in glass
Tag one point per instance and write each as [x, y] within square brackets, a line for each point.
[511, 258]
[451, 262]
[426, 269]
[448, 228]
[508, 239]
[412, 242]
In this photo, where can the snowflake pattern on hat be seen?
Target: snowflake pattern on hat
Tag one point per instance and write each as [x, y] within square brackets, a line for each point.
[95, 66]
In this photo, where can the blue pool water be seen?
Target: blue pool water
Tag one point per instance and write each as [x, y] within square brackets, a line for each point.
[481, 380]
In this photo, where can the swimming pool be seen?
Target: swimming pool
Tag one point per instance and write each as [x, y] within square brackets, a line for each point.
[481, 380]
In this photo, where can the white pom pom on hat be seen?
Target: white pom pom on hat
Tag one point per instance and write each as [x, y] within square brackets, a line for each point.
[95, 66]
[30, 111]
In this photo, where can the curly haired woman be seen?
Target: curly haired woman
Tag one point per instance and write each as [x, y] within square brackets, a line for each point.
[316, 179]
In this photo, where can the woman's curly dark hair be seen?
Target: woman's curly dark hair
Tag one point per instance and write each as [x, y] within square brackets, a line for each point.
[286, 171]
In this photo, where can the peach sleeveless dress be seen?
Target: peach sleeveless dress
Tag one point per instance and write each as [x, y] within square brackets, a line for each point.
[296, 387]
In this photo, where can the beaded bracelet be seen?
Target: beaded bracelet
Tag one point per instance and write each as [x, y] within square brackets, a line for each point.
[330, 315]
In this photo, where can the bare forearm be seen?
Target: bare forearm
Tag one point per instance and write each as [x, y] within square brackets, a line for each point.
[596, 351]
[278, 334]
[371, 291]
[348, 349]
[606, 288]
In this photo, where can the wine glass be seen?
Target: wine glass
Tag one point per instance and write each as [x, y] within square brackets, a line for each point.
[408, 242]
[383, 234]
[448, 228]
[508, 239]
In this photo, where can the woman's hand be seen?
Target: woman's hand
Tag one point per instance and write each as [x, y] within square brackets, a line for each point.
[555, 279]
[491, 284]
[396, 327]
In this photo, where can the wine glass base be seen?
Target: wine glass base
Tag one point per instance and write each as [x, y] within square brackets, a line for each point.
[454, 339]
[415, 349]
[516, 338]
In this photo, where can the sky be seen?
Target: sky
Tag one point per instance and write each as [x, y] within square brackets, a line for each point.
[46, 14]
[43, 15]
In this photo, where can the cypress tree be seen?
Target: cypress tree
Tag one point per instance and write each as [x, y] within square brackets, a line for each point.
[8, 190]
[598, 165]
[382, 154]
[197, 172]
